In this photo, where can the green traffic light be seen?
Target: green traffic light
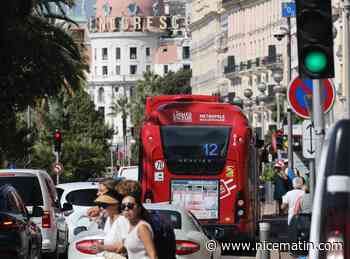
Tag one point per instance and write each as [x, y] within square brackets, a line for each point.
[315, 61]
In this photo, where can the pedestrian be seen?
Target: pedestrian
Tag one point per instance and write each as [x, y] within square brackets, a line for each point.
[280, 182]
[139, 241]
[116, 227]
[290, 198]
[299, 229]
[96, 213]
[163, 232]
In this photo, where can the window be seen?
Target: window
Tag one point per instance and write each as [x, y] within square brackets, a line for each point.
[117, 70]
[95, 54]
[104, 54]
[133, 53]
[95, 70]
[166, 69]
[133, 70]
[173, 218]
[101, 95]
[105, 70]
[166, 9]
[117, 53]
[187, 67]
[165, 50]
[118, 24]
[148, 52]
[84, 197]
[148, 68]
[101, 111]
[199, 150]
[185, 52]
[59, 192]
[27, 187]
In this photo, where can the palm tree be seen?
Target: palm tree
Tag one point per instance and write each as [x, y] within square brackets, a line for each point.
[38, 56]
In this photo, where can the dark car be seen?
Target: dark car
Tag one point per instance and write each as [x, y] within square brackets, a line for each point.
[20, 238]
[330, 226]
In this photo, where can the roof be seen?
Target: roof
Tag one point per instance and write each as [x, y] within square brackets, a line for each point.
[163, 206]
[26, 171]
[78, 185]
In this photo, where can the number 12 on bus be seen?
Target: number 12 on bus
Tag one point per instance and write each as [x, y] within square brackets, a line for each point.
[200, 154]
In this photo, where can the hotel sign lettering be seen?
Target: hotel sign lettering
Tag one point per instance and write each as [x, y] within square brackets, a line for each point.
[136, 23]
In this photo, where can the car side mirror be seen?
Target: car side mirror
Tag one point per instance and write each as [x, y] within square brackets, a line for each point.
[67, 208]
[37, 212]
[78, 230]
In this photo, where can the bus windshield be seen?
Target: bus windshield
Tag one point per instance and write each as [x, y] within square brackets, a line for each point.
[195, 149]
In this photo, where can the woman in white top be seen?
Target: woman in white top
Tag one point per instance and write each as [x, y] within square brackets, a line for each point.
[117, 226]
[139, 241]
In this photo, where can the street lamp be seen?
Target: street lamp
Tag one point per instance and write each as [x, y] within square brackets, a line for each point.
[278, 89]
[248, 93]
[261, 99]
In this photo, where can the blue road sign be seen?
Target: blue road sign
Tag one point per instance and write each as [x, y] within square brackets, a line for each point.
[288, 10]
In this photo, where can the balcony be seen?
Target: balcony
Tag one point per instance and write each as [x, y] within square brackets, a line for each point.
[222, 43]
[226, 4]
[257, 65]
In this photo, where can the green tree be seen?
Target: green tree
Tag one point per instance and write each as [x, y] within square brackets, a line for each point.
[38, 57]
[153, 85]
[85, 149]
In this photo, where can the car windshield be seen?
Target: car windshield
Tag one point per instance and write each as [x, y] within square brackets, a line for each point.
[84, 197]
[195, 149]
[169, 217]
[27, 187]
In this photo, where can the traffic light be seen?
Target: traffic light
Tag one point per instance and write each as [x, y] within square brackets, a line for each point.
[315, 38]
[57, 137]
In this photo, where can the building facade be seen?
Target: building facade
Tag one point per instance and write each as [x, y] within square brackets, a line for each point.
[235, 50]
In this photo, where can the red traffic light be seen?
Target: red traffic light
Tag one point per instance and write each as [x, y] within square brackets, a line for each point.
[57, 136]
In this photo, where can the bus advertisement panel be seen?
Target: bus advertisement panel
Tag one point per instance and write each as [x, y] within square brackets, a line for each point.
[201, 197]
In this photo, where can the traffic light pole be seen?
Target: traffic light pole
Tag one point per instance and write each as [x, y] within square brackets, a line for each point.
[289, 111]
[57, 154]
[319, 125]
[346, 55]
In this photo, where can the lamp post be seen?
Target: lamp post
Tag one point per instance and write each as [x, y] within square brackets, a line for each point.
[248, 93]
[278, 89]
[261, 98]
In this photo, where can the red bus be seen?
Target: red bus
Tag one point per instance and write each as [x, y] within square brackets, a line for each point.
[199, 153]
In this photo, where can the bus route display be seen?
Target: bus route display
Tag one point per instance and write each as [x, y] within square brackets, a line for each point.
[201, 197]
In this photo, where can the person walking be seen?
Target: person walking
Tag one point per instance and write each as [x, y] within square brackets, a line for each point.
[280, 182]
[105, 186]
[290, 198]
[139, 241]
[116, 227]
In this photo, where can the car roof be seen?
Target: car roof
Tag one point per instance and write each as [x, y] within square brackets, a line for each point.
[78, 185]
[163, 206]
[22, 172]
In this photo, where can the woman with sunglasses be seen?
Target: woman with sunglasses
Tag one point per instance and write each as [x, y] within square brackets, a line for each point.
[139, 241]
[116, 227]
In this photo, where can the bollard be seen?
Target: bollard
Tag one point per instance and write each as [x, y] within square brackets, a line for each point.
[264, 235]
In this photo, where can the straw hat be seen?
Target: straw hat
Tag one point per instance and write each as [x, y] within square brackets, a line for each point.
[106, 199]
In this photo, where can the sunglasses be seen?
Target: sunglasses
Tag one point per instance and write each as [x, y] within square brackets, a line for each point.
[127, 206]
[104, 205]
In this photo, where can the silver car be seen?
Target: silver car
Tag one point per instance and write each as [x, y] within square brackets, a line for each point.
[38, 190]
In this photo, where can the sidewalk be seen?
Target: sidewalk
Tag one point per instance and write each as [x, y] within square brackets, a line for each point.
[269, 210]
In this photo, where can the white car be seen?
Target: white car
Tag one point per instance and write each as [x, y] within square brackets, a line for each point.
[38, 190]
[128, 172]
[82, 196]
[191, 240]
